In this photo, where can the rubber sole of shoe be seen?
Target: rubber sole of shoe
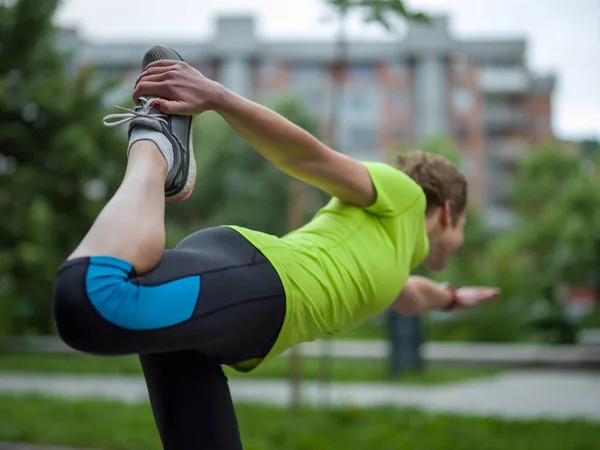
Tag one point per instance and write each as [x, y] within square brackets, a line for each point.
[187, 190]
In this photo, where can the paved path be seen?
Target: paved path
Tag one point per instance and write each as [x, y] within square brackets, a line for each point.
[510, 354]
[532, 354]
[517, 394]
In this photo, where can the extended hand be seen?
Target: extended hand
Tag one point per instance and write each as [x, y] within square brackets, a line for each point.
[182, 89]
[467, 297]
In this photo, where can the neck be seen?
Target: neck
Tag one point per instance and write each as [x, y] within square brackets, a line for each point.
[430, 224]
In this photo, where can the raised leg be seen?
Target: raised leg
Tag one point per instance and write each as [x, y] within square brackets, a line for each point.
[131, 226]
[161, 167]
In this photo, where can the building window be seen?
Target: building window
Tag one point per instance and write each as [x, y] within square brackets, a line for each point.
[502, 63]
[363, 71]
[359, 102]
[399, 100]
[462, 99]
[460, 64]
[397, 66]
[400, 133]
[268, 68]
[308, 73]
[462, 133]
[360, 141]
[313, 100]
[468, 165]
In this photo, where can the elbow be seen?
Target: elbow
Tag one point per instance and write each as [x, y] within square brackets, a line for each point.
[410, 301]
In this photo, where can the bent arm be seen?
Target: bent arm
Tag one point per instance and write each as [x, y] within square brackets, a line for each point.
[295, 151]
[420, 295]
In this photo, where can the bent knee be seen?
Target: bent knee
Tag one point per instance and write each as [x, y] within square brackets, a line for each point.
[99, 309]
[78, 321]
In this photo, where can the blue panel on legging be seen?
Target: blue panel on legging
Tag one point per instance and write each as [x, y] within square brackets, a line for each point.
[135, 307]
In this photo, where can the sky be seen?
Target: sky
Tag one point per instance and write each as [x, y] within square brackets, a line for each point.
[563, 36]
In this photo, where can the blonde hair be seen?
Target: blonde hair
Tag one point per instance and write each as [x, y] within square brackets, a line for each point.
[439, 178]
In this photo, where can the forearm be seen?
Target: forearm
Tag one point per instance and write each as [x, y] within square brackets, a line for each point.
[420, 295]
[276, 138]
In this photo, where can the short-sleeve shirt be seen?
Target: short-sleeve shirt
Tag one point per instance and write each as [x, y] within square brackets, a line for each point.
[348, 263]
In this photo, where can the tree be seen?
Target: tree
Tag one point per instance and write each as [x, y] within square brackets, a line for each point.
[379, 11]
[59, 162]
[556, 195]
[557, 198]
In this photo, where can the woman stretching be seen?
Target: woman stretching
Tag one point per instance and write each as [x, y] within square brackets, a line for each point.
[233, 296]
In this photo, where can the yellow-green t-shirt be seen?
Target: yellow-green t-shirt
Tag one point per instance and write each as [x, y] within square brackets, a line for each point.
[348, 263]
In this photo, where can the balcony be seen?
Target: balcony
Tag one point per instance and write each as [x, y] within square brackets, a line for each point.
[504, 80]
[506, 117]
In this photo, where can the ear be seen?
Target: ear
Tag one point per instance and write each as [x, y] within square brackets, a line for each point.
[446, 214]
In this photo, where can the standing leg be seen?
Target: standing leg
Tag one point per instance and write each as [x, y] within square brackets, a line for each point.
[191, 402]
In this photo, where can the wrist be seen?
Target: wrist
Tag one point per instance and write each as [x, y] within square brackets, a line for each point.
[453, 297]
[220, 98]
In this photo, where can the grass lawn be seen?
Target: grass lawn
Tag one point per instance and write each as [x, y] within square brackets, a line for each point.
[342, 369]
[107, 425]
[368, 331]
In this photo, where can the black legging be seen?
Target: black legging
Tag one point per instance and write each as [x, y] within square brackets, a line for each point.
[213, 300]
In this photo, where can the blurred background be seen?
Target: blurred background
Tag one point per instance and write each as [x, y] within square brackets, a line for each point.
[507, 90]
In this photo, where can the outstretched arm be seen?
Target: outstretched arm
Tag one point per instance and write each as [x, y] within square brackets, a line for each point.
[420, 295]
[287, 146]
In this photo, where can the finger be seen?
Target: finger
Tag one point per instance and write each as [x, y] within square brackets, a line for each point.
[149, 89]
[154, 78]
[153, 71]
[169, 106]
[490, 295]
[488, 291]
[161, 63]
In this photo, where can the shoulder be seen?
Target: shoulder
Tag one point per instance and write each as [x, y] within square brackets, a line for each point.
[395, 190]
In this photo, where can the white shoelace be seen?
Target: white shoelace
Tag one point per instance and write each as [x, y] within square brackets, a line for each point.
[144, 109]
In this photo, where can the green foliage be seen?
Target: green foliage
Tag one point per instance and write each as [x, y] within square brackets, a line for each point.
[53, 137]
[441, 145]
[116, 426]
[592, 320]
[557, 198]
[379, 11]
[235, 184]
